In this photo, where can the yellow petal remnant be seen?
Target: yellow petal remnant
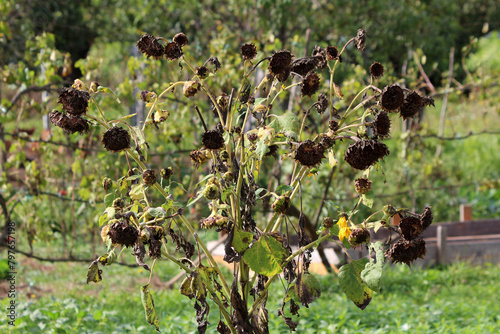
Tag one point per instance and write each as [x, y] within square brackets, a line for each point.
[345, 231]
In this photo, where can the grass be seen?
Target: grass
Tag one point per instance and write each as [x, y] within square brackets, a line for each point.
[53, 298]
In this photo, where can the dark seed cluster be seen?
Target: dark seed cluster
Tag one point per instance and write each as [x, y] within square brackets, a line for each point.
[116, 139]
[248, 51]
[411, 246]
[280, 61]
[149, 177]
[302, 66]
[166, 173]
[74, 101]
[320, 55]
[283, 76]
[198, 157]
[362, 185]
[149, 45]
[392, 98]
[322, 103]
[310, 84]
[202, 72]
[173, 51]
[333, 125]
[181, 39]
[68, 123]
[381, 125]
[122, 233]
[364, 153]
[412, 104]
[309, 154]
[405, 251]
[410, 227]
[332, 53]
[376, 70]
[212, 140]
[359, 236]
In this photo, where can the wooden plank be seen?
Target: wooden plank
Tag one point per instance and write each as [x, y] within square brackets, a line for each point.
[465, 212]
[475, 227]
[441, 245]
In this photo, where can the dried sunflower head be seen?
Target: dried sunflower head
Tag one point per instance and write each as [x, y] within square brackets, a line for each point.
[202, 72]
[392, 98]
[359, 236]
[362, 185]
[376, 70]
[405, 251]
[149, 45]
[69, 123]
[364, 153]
[309, 154]
[310, 84]
[280, 61]
[212, 140]
[181, 39]
[116, 139]
[74, 101]
[332, 53]
[322, 104]
[302, 66]
[381, 125]
[426, 218]
[198, 158]
[319, 54]
[333, 125]
[149, 177]
[410, 228]
[122, 233]
[248, 51]
[412, 104]
[173, 51]
[166, 173]
[191, 88]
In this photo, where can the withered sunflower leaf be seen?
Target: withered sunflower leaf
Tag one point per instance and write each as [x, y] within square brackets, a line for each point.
[266, 256]
[149, 307]
[352, 285]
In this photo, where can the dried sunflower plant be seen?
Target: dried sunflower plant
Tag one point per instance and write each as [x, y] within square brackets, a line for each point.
[247, 127]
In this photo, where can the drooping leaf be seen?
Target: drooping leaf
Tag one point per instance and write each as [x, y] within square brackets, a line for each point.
[149, 307]
[307, 288]
[266, 256]
[283, 188]
[137, 192]
[94, 273]
[109, 258]
[186, 288]
[288, 124]
[139, 134]
[352, 284]
[261, 149]
[108, 199]
[367, 200]
[158, 212]
[372, 274]
[241, 240]
[332, 161]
